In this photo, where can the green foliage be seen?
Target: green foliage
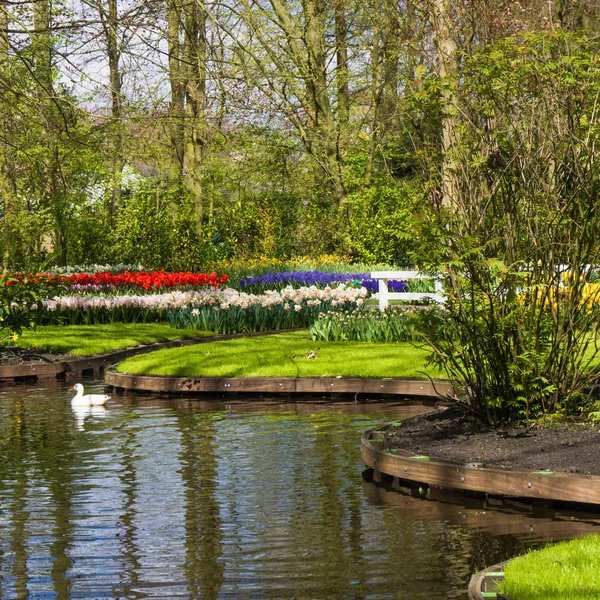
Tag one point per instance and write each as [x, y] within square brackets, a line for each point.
[498, 346]
[255, 317]
[19, 301]
[519, 334]
[383, 222]
[396, 324]
[142, 229]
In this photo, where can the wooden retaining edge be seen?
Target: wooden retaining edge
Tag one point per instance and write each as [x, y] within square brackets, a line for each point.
[99, 362]
[483, 584]
[284, 385]
[499, 481]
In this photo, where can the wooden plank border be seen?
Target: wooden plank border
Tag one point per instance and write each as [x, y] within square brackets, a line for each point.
[384, 459]
[483, 584]
[285, 385]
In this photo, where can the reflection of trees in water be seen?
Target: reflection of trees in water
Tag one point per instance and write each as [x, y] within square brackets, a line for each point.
[37, 453]
[339, 507]
[199, 473]
[18, 505]
[126, 453]
[268, 501]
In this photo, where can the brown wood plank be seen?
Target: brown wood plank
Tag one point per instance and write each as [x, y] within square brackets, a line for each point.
[507, 482]
[402, 387]
[481, 583]
[33, 369]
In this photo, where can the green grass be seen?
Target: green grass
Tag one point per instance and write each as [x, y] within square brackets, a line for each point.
[565, 571]
[282, 355]
[85, 340]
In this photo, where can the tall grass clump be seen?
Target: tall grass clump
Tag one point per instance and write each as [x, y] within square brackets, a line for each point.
[395, 324]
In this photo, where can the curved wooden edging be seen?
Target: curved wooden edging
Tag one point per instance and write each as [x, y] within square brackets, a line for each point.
[99, 362]
[285, 385]
[385, 459]
[483, 584]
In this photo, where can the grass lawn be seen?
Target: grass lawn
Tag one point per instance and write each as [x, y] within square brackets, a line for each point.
[282, 355]
[85, 340]
[569, 571]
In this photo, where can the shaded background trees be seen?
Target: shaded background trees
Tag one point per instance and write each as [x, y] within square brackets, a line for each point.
[241, 127]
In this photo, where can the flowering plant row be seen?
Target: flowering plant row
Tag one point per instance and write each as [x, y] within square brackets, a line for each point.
[215, 310]
[234, 311]
[94, 310]
[318, 278]
[145, 279]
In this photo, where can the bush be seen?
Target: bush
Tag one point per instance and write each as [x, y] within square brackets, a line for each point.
[19, 302]
[383, 223]
[517, 332]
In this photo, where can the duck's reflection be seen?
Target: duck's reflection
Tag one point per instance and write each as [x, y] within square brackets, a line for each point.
[82, 412]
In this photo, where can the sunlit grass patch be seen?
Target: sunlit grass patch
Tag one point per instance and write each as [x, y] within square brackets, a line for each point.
[566, 571]
[284, 355]
[85, 340]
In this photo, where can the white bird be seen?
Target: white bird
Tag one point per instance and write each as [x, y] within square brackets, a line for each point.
[89, 399]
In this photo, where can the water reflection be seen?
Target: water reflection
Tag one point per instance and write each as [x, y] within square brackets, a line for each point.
[535, 524]
[81, 412]
[225, 499]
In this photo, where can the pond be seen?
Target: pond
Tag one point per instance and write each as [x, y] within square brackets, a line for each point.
[155, 498]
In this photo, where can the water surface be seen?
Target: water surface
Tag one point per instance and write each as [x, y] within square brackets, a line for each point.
[156, 498]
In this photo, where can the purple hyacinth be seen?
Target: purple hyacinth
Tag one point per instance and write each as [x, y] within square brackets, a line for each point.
[393, 285]
[318, 278]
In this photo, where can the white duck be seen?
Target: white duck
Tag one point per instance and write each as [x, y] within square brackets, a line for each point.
[89, 399]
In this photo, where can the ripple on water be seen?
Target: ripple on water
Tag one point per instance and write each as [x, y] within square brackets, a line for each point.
[167, 499]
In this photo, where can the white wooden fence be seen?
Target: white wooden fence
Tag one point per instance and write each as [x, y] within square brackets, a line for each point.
[384, 295]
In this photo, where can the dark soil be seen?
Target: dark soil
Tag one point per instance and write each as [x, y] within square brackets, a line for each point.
[10, 355]
[453, 434]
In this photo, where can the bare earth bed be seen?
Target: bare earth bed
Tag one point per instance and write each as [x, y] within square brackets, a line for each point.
[20, 356]
[453, 434]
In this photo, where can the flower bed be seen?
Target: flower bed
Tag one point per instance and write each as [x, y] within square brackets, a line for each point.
[222, 311]
[317, 278]
[231, 311]
[147, 280]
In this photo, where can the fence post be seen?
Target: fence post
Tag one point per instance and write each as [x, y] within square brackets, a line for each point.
[383, 294]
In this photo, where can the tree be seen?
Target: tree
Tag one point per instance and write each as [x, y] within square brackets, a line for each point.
[519, 329]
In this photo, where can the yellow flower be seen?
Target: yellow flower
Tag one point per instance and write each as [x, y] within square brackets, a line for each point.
[14, 337]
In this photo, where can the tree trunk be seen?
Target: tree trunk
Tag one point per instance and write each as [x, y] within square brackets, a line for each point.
[376, 95]
[194, 59]
[341, 69]
[109, 23]
[42, 52]
[447, 62]
[390, 50]
[177, 83]
[324, 128]
[8, 188]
